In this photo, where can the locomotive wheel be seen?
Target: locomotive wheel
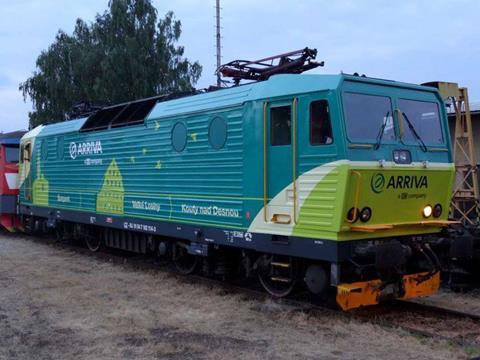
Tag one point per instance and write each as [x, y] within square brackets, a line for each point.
[278, 277]
[184, 262]
[316, 279]
[93, 240]
[59, 233]
[94, 243]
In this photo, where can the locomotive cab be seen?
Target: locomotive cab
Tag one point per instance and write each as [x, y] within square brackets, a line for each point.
[397, 143]
[9, 157]
[400, 173]
[372, 171]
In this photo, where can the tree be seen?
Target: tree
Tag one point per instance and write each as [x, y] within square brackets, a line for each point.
[125, 54]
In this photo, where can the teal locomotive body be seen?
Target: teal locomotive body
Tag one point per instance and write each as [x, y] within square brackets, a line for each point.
[299, 167]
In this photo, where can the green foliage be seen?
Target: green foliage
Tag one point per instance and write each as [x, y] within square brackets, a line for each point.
[125, 54]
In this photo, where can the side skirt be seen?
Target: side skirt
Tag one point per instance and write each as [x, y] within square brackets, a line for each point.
[315, 249]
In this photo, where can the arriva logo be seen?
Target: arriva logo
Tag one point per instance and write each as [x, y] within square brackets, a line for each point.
[377, 183]
[85, 148]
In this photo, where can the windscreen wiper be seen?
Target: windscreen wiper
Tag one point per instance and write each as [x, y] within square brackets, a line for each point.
[381, 132]
[415, 134]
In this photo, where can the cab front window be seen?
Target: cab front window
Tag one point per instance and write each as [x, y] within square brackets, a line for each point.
[425, 120]
[11, 154]
[368, 115]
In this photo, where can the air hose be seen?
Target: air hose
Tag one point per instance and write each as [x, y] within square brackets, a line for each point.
[435, 263]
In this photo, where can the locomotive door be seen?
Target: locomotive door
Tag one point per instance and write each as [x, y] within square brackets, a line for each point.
[279, 170]
[26, 176]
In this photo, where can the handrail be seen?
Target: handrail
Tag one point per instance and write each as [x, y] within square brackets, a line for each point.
[265, 106]
[356, 200]
[360, 146]
[29, 193]
[294, 160]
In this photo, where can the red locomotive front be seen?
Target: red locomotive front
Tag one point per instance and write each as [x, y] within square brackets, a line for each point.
[9, 154]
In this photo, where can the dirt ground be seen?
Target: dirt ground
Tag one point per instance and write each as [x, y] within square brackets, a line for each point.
[59, 304]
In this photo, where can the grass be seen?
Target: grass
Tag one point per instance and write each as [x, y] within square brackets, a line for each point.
[55, 304]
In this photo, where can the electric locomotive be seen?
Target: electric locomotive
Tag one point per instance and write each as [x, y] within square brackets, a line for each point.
[9, 144]
[324, 181]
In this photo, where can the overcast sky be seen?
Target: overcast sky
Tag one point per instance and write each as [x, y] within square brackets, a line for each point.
[410, 40]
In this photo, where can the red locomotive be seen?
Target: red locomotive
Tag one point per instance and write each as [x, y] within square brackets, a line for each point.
[9, 143]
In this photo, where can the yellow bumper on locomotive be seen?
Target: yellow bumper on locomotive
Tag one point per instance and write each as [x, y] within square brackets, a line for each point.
[364, 293]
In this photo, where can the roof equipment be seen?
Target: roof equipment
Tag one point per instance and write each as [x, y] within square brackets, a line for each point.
[294, 62]
[126, 114]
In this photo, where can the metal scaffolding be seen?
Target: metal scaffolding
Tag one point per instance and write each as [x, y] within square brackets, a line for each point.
[465, 198]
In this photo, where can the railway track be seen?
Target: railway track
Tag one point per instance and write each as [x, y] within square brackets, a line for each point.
[426, 321]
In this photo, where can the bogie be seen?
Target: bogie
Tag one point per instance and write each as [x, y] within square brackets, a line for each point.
[184, 262]
[278, 275]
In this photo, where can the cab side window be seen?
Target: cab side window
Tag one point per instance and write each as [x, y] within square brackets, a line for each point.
[280, 125]
[25, 153]
[320, 125]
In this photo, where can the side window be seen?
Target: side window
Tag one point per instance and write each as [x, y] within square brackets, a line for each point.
[320, 125]
[280, 125]
[179, 136]
[26, 152]
[217, 132]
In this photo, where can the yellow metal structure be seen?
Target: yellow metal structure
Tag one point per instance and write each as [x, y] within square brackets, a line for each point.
[465, 200]
[380, 227]
[358, 294]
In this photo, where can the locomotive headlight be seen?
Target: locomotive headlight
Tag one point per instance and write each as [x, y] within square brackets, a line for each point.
[402, 157]
[427, 211]
[365, 214]
[352, 215]
[437, 210]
